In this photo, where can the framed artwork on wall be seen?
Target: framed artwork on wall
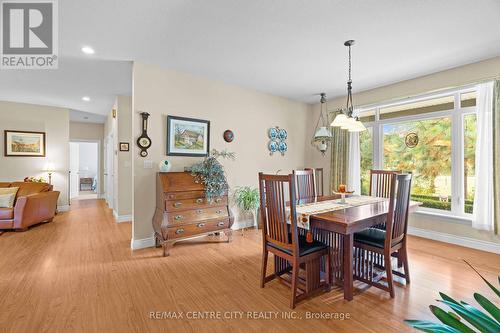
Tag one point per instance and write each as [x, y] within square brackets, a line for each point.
[124, 146]
[187, 136]
[24, 143]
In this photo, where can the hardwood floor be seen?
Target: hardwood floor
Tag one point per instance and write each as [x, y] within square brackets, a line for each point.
[78, 274]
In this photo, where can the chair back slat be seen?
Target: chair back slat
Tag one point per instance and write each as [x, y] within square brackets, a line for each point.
[399, 204]
[318, 178]
[305, 183]
[275, 192]
[380, 182]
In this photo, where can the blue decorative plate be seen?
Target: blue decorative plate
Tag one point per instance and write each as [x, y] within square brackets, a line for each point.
[282, 134]
[273, 146]
[282, 147]
[273, 133]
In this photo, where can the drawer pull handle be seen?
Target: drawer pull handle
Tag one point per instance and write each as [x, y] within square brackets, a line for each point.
[220, 224]
[201, 225]
[218, 200]
[179, 231]
[177, 204]
[199, 200]
[219, 211]
[178, 217]
[199, 211]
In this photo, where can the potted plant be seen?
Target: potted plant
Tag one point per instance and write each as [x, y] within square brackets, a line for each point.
[247, 198]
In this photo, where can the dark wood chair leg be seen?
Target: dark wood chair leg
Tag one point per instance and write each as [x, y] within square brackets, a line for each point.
[264, 268]
[388, 270]
[328, 271]
[295, 277]
[404, 254]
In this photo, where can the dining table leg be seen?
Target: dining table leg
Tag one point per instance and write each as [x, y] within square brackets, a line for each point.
[348, 275]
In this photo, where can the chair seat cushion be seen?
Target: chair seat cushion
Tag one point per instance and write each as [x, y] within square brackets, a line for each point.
[305, 248]
[371, 236]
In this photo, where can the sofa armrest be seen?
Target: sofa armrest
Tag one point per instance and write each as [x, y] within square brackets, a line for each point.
[35, 208]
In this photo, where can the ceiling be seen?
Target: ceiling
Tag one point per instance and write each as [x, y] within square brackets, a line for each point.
[289, 48]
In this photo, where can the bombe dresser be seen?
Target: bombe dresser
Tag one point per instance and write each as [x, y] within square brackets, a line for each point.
[182, 211]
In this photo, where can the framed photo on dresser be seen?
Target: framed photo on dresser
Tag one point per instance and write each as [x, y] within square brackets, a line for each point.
[187, 136]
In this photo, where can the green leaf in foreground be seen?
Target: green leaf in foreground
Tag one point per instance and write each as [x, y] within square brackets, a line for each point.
[450, 320]
[467, 313]
[428, 326]
[492, 287]
[488, 306]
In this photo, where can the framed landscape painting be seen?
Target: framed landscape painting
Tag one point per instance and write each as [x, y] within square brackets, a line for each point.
[187, 136]
[19, 143]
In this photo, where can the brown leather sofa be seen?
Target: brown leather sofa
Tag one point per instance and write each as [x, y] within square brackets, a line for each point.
[34, 203]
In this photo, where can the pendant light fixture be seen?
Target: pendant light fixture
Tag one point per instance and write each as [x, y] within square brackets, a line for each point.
[322, 135]
[345, 119]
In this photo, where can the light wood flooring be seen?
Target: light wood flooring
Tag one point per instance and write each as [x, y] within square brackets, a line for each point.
[78, 274]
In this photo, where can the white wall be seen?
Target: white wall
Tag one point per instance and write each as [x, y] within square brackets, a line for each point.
[55, 123]
[247, 112]
[88, 159]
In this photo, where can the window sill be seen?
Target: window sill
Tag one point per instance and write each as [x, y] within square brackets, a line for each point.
[454, 218]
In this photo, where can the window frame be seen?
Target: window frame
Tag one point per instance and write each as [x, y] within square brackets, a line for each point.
[457, 115]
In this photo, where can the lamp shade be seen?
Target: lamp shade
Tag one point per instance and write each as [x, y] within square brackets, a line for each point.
[339, 120]
[357, 126]
[49, 167]
[348, 124]
[322, 133]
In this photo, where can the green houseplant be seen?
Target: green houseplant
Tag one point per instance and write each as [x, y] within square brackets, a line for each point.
[453, 322]
[247, 198]
[211, 173]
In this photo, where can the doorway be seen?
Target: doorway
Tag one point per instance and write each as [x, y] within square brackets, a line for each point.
[84, 174]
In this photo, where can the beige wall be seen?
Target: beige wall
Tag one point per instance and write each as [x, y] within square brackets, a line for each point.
[55, 123]
[124, 160]
[454, 77]
[248, 113]
[90, 132]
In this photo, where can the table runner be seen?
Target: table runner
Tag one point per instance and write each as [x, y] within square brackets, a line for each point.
[305, 210]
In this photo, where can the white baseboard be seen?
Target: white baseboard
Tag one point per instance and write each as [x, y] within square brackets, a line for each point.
[136, 244]
[457, 240]
[63, 208]
[122, 218]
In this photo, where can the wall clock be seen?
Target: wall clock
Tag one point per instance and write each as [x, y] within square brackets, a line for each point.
[144, 142]
[411, 140]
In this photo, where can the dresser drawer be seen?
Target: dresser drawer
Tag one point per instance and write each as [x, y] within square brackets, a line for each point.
[197, 228]
[194, 215]
[195, 203]
[184, 195]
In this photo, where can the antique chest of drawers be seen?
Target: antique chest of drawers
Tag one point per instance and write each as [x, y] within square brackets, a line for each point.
[182, 211]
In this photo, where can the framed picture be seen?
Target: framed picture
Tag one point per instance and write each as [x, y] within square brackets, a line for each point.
[22, 143]
[187, 136]
[124, 146]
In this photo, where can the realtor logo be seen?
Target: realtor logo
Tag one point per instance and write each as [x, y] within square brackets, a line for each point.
[28, 34]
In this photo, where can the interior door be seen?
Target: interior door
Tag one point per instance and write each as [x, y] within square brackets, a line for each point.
[74, 166]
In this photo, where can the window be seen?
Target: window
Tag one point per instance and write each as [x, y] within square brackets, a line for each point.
[431, 136]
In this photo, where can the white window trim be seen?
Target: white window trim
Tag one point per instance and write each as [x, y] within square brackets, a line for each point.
[456, 114]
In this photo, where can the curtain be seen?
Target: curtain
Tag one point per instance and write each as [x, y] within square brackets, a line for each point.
[483, 197]
[354, 169]
[340, 157]
[496, 154]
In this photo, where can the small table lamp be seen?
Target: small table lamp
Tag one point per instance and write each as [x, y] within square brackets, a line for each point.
[49, 168]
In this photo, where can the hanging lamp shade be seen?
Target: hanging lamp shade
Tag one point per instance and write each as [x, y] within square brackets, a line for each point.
[357, 126]
[322, 133]
[339, 121]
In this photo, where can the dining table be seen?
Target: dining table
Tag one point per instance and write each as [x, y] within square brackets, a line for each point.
[336, 228]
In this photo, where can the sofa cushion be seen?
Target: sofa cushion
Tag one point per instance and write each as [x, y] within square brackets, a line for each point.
[7, 200]
[26, 188]
[4, 184]
[6, 213]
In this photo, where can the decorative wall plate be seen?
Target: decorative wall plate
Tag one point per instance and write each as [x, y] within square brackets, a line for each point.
[228, 136]
[282, 134]
[273, 146]
[273, 133]
[282, 147]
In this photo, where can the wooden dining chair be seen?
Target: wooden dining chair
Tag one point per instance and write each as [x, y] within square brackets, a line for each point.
[283, 240]
[374, 248]
[318, 177]
[380, 182]
[305, 181]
